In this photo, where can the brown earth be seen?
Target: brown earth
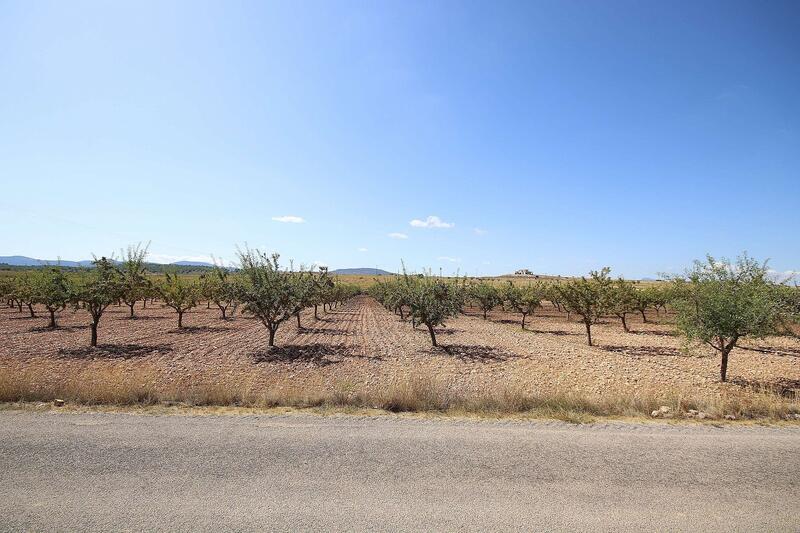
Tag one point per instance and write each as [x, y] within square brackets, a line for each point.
[363, 346]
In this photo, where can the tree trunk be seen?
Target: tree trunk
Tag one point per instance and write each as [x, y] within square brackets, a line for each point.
[180, 319]
[484, 314]
[19, 304]
[298, 321]
[30, 308]
[523, 319]
[131, 306]
[624, 323]
[52, 318]
[644, 317]
[224, 316]
[315, 312]
[144, 303]
[433, 335]
[723, 367]
[588, 332]
[208, 304]
[94, 334]
[272, 336]
[402, 317]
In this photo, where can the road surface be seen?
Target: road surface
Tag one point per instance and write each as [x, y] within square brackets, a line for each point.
[69, 472]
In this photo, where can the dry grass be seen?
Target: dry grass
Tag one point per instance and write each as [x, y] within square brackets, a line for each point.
[421, 394]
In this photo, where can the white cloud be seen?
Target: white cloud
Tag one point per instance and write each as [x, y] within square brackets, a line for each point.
[290, 219]
[398, 235]
[451, 259]
[431, 222]
[362, 249]
[479, 231]
[783, 277]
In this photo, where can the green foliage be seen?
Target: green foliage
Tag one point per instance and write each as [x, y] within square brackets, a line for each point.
[621, 300]
[219, 287]
[525, 299]
[723, 303]
[178, 293]
[52, 289]
[485, 295]
[95, 289]
[25, 290]
[587, 298]
[270, 294]
[133, 269]
[432, 300]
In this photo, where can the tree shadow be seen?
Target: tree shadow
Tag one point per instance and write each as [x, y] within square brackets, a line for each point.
[483, 354]
[335, 332]
[646, 351]
[137, 318]
[188, 330]
[783, 352]
[65, 329]
[441, 331]
[317, 354]
[788, 388]
[115, 351]
[556, 332]
[658, 333]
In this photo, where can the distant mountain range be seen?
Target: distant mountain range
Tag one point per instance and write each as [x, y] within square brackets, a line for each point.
[23, 261]
[360, 272]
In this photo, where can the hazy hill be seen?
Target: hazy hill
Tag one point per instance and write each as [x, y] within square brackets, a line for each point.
[23, 261]
[361, 272]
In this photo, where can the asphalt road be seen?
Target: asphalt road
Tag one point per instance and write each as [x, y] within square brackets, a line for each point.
[68, 472]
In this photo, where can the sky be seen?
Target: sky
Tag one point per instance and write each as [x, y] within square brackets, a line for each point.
[472, 137]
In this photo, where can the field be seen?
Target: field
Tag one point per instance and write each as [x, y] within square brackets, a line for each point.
[362, 354]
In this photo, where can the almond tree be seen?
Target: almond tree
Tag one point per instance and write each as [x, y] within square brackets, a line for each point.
[725, 302]
[7, 291]
[305, 291]
[25, 291]
[486, 295]
[622, 300]
[134, 276]
[266, 291]
[95, 289]
[643, 298]
[179, 294]
[524, 300]
[587, 298]
[220, 288]
[432, 300]
[51, 289]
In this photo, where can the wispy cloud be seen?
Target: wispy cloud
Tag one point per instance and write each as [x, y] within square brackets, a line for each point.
[396, 235]
[783, 276]
[479, 231]
[431, 222]
[291, 219]
[450, 259]
[362, 249]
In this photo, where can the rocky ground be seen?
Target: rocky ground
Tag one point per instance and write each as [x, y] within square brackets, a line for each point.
[362, 346]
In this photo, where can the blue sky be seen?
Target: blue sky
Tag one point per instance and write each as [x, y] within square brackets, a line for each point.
[558, 136]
